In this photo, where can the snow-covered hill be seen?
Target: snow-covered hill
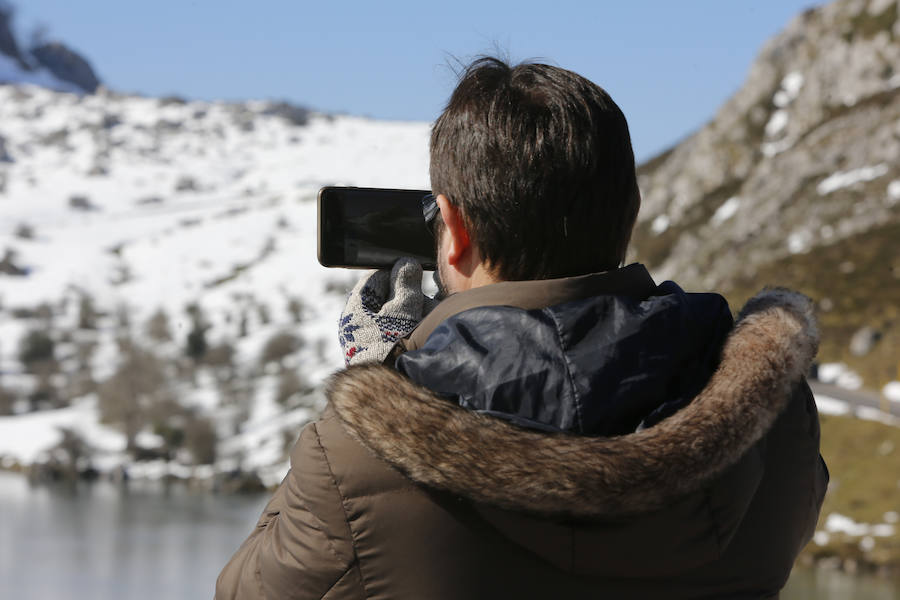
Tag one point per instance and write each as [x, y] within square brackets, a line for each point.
[116, 209]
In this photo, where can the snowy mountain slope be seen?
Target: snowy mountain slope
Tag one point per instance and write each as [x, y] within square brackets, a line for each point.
[146, 206]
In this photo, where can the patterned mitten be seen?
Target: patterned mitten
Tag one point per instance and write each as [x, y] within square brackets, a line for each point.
[383, 307]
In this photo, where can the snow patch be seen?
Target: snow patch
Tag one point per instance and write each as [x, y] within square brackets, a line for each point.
[840, 408]
[843, 179]
[781, 99]
[840, 375]
[831, 406]
[790, 89]
[660, 224]
[893, 191]
[838, 523]
[726, 211]
[777, 122]
[891, 391]
[868, 413]
[799, 241]
[849, 380]
[792, 83]
[25, 438]
[771, 149]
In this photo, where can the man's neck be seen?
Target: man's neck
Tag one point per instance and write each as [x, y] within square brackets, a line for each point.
[480, 277]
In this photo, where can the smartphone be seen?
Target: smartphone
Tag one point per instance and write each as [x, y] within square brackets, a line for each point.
[370, 228]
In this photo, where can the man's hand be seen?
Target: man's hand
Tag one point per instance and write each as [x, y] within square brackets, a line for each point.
[382, 308]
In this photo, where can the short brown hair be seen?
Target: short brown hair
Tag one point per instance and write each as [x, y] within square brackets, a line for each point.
[539, 161]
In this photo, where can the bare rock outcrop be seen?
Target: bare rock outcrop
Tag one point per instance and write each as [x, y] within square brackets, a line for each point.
[804, 157]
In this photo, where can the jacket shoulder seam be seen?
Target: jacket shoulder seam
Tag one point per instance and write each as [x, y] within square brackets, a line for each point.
[323, 528]
[322, 525]
[567, 364]
[337, 488]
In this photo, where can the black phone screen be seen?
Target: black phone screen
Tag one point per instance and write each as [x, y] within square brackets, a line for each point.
[373, 227]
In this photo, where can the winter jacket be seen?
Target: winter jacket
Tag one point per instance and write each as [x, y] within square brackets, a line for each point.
[588, 437]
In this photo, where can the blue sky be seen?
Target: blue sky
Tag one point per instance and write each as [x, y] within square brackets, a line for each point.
[669, 64]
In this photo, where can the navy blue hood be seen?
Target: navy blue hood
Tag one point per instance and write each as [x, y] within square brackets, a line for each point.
[607, 364]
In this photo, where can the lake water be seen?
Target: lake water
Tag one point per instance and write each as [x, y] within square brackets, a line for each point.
[102, 542]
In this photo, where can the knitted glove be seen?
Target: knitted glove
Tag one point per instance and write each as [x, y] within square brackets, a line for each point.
[383, 307]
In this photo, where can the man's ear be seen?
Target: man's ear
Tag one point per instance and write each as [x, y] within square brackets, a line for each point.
[455, 230]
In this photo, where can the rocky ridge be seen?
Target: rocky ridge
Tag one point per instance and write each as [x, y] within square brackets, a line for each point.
[796, 181]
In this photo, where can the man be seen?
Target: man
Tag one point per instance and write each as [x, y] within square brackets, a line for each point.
[558, 426]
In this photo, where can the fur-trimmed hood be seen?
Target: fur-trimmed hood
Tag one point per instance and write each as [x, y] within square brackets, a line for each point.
[442, 446]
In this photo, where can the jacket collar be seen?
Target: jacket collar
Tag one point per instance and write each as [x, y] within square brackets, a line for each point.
[633, 280]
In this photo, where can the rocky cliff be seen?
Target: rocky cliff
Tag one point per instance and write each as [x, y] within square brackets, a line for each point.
[796, 181]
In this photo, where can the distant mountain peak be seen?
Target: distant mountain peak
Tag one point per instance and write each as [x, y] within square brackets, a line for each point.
[51, 64]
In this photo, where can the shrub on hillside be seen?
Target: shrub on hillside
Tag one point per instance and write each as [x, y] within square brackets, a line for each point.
[280, 345]
[220, 359]
[83, 203]
[338, 287]
[9, 264]
[35, 348]
[81, 382]
[196, 344]
[24, 231]
[296, 308]
[69, 460]
[186, 183]
[87, 314]
[45, 395]
[137, 388]
[4, 153]
[157, 327]
[264, 316]
[45, 313]
[200, 440]
[290, 384]
[293, 114]
[7, 400]
[220, 356]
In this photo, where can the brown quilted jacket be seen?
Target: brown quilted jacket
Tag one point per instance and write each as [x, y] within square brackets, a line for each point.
[397, 494]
